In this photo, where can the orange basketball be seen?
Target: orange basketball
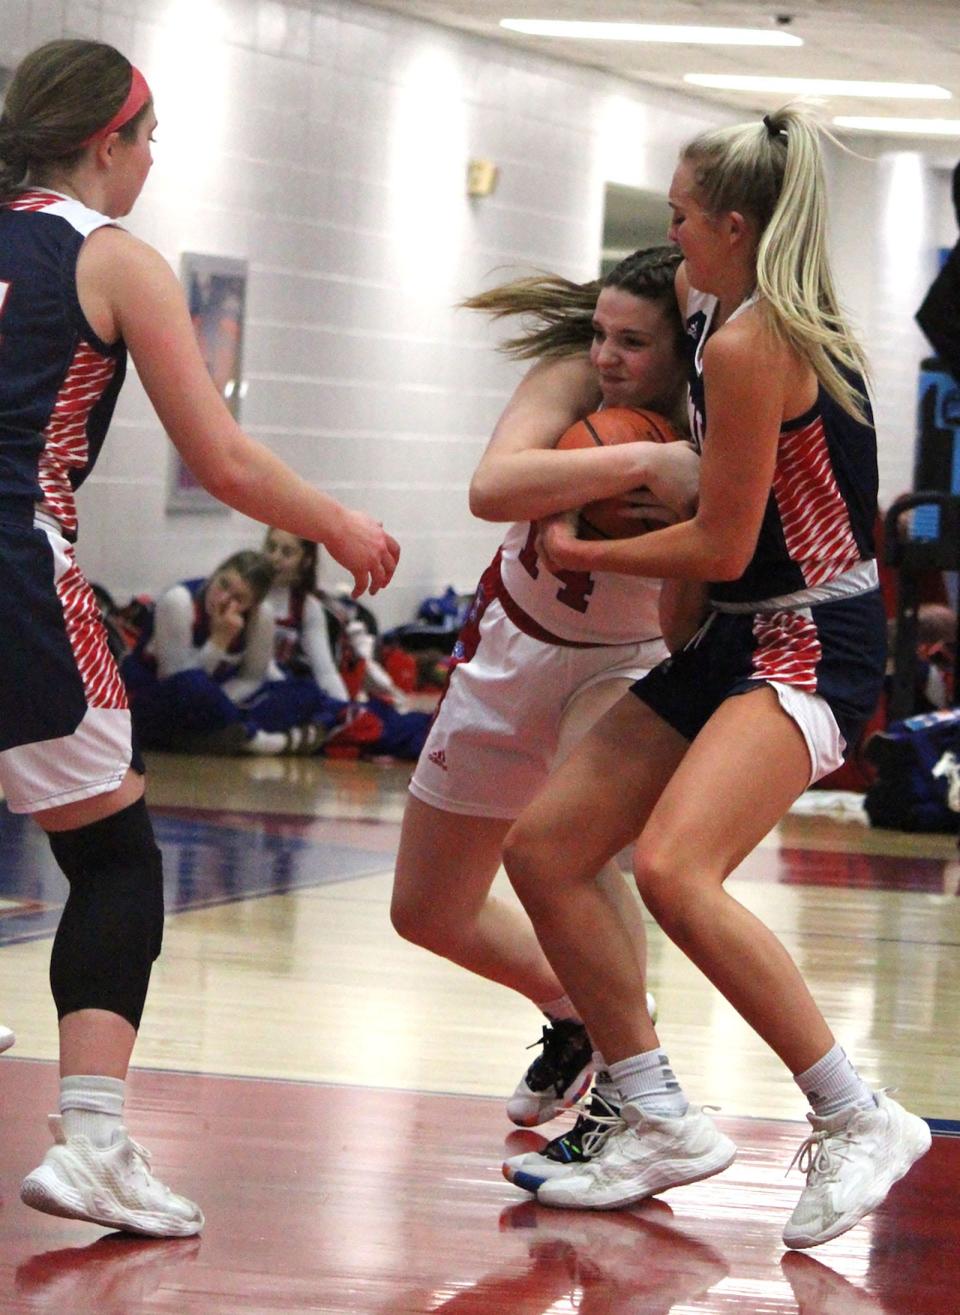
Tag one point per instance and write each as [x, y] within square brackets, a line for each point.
[605, 518]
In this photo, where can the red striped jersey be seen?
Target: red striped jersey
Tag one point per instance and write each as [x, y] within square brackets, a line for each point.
[58, 380]
[819, 517]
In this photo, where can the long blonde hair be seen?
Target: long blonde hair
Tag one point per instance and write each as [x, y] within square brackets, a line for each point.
[772, 172]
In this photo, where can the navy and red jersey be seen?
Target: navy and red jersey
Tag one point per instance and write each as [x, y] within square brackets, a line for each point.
[58, 380]
[819, 518]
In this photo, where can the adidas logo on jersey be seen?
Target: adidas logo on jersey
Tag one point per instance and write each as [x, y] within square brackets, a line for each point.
[440, 758]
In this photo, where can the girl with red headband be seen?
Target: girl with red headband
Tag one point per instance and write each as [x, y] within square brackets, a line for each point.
[76, 292]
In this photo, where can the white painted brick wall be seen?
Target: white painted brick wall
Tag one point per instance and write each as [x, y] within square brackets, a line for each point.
[326, 144]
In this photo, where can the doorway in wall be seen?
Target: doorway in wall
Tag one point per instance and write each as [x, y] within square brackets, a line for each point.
[632, 218]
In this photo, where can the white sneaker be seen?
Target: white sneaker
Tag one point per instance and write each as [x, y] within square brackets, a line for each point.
[112, 1187]
[6, 1038]
[643, 1154]
[577, 1145]
[851, 1160]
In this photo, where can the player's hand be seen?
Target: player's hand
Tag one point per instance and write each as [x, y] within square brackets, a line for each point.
[226, 623]
[366, 550]
[557, 543]
[673, 477]
[644, 507]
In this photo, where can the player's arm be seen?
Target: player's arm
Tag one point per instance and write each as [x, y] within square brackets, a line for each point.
[315, 637]
[257, 655]
[744, 387]
[520, 477]
[150, 314]
[172, 642]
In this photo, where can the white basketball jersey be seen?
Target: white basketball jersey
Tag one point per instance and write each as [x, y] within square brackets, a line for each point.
[601, 608]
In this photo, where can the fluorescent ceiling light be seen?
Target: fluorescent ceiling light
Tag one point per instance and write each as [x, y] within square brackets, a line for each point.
[918, 127]
[819, 86]
[665, 32]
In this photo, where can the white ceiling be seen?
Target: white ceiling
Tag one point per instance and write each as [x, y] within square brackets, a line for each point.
[877, 40]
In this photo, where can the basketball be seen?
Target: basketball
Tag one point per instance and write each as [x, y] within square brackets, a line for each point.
[605, 519]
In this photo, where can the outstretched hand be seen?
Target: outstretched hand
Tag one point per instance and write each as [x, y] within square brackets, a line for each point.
[366, 550]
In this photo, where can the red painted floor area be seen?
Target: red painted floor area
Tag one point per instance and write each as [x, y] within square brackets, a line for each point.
[345, 1200]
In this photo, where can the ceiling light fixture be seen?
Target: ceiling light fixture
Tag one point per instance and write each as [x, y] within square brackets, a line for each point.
[663, 32]
[819, 86]
[916, 127]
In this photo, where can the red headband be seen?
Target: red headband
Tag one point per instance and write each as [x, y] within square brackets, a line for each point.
[137, 97]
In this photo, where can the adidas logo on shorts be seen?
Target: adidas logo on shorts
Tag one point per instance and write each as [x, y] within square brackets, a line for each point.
[439, 757]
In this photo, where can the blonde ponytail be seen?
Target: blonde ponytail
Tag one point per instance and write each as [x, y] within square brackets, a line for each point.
[773, 173]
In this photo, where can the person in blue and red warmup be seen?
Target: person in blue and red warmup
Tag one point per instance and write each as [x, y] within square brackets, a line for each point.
[201, 677]
[312, 630]
[76, 292]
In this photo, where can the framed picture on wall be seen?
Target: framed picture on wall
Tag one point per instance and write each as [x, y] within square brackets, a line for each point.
[216, 290]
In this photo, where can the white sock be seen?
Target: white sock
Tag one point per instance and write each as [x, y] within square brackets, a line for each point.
[92, 1106]
[266, 742]
[603, 1084]
[832, 1084]
[563, 1008]
[648, 1080]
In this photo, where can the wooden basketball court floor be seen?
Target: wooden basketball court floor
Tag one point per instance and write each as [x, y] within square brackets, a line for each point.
[334, 1097]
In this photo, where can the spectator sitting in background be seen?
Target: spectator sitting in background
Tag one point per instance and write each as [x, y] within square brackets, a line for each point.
[198, 678]
[302, 643]
[311, 663]
[322, 635]
[936, 654]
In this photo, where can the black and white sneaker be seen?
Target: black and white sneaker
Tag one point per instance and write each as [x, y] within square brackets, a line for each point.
[561, 1075]
[557, 1078]
[575, 1146]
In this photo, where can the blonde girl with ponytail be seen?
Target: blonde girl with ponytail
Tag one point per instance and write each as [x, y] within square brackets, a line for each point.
[703, 756]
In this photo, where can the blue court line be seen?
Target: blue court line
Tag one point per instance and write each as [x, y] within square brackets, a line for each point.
[206, 862]
[945, 1127]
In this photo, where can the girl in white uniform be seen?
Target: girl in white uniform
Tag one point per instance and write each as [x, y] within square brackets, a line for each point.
[541, 657]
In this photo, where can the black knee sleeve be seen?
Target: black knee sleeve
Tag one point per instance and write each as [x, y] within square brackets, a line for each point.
[112, 924]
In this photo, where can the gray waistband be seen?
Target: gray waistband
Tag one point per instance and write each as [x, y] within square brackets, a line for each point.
[42, 517]
[860, 579]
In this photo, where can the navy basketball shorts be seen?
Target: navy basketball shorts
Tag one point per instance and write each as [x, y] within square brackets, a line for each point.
[824, 662]
[65, 731]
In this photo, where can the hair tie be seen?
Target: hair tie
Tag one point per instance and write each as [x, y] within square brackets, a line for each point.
[771, 130]
[137, 97]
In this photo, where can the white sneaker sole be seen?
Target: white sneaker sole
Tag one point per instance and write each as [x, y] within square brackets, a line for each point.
[530, 1111]
[43, 1190]
[919, 1142]
[532, 1170]
[560, 1191]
